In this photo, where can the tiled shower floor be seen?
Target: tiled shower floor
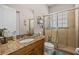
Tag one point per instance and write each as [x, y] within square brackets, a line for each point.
[58, 52]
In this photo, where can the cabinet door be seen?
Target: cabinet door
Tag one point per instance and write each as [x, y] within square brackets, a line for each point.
[39, 51]
[39, 47]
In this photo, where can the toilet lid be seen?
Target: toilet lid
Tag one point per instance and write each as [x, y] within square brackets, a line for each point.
[48, 44]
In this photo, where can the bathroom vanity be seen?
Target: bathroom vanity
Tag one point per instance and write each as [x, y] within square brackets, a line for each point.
[34, 47]
[12, 25]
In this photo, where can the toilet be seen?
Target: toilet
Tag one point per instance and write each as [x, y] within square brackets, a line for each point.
[77, 51]
[48, 48]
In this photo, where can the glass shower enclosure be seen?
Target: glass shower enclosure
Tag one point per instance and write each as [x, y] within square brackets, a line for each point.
[59, 28]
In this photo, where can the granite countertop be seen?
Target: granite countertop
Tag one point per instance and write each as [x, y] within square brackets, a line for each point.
[12, 46]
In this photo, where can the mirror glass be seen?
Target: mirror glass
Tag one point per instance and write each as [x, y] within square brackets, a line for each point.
[7, 21]
[30, 26]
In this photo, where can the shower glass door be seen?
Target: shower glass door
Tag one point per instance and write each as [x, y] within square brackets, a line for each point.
[60, 29]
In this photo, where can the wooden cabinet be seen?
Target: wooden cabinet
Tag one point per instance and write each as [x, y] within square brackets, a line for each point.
[39, 47]
[36, 48]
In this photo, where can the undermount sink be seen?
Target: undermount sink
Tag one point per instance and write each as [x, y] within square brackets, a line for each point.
[26, 40]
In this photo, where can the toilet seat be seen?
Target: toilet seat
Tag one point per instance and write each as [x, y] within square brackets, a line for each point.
[49, 45]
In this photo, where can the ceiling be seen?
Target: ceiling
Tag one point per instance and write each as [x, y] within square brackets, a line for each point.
[30, 6]
[51, 5]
